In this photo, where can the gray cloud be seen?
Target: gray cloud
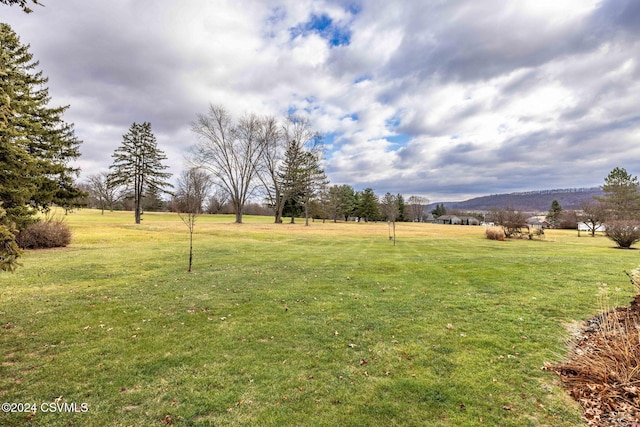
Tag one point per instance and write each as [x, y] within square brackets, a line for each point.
[480, 97]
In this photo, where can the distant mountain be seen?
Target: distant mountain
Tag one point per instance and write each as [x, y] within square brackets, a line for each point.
[530, 201]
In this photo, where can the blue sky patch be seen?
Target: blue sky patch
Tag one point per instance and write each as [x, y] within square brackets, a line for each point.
[352, 116]
[324, 26]
[400, 138]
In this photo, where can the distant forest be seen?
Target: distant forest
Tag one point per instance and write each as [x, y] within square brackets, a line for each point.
[530, 201]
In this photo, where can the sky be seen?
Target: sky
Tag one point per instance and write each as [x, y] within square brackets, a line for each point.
[446, 99]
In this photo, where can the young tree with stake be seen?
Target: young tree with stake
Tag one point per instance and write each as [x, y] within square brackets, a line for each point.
[192, 191]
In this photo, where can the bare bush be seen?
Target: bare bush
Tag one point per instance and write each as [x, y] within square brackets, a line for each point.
[49, 233]
[624, 232]
[494, 234]
[512, 221]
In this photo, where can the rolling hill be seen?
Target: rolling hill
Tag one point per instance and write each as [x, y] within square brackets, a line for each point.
[530, 201]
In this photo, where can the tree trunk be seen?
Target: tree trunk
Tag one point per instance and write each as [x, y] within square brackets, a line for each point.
[394, 233]
[306, 215]
[139, 182]
[190, 247]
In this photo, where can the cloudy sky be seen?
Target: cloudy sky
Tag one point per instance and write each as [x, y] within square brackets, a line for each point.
[446, 99]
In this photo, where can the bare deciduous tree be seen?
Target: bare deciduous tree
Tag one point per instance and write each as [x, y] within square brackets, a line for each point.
[273, 154]
[593, 215]
[231, 152]
[389, 209]
[417, 207]
[193, 187]
[106, 195]
[218, 201]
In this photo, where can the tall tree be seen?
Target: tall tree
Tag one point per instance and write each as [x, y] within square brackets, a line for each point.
[340, 202]
[137, 164]
[300, 173]
[368, 207]
[402, 207]
[36, 144]
[621, 195]
[230, 152]
[555, 214]
[193, 188]
[274, 146]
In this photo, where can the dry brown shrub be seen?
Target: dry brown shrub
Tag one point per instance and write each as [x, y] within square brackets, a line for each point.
[49, 233]
[494, 234]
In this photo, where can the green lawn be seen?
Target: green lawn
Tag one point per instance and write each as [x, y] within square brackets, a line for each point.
[291, 325]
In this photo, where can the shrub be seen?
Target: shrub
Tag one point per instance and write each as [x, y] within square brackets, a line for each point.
[494, 234]
[512, 221]
[49, 233]
[624, 232]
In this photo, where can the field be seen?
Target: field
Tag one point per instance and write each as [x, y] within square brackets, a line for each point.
[326, 325]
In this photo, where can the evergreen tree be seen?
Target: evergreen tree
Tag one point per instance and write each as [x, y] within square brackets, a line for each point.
[368, 206]
[301, 178]
[36, 145]
[137, 163]
[401, 208]
[439, 210]
[340, 202]
[555, 214]
[621, 195]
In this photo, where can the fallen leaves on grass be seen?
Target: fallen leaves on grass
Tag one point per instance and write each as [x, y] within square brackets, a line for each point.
[602, 372]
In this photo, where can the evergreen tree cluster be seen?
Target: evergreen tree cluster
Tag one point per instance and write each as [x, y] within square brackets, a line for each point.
[36, 145]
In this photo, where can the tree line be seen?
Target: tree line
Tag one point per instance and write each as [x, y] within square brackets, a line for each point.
[253, 158]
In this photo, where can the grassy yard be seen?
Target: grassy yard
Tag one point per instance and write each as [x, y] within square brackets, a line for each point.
[326, 325]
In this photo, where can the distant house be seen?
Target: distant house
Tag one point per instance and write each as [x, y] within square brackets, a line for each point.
[469, 220]
[538, 222]
[583, 226]
[448, 219]
[455, 219]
